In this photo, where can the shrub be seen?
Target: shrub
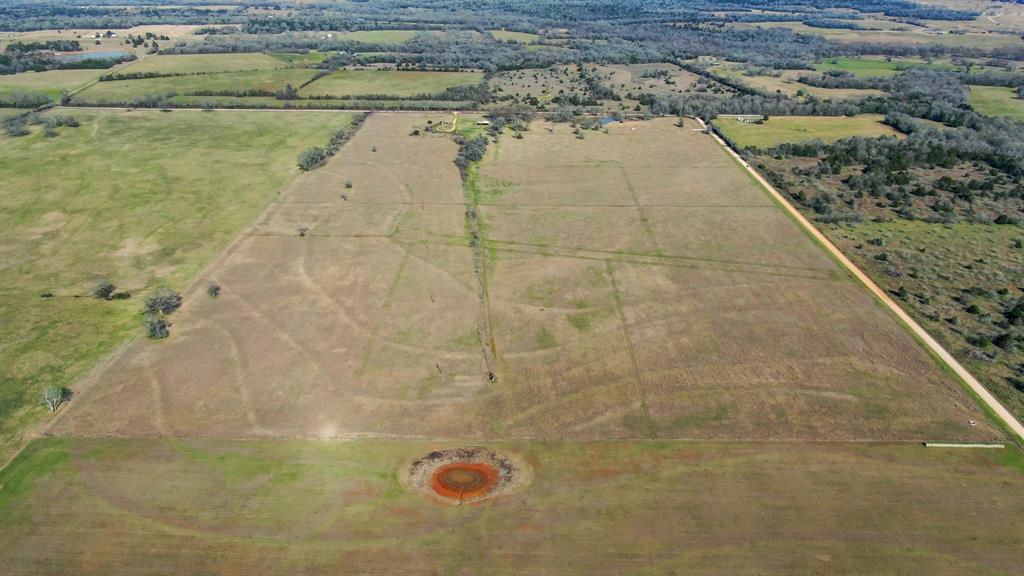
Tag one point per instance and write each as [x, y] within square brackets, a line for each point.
[348, 184]
[213, 290]
[157, 327]
[103, 289]
[163, 301]
[312, 157]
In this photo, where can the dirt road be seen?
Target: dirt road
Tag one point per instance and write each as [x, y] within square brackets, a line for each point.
[929, 342]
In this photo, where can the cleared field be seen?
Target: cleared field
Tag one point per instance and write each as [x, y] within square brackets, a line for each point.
[521, 37]
[51, 83]
[997, 101]
[127, 90]
[628, 295]
[204, 63]
[868, 66]
[95, 202]
[788, 82]
[791, 129]
[139, 507]
[640, 79]
[321, 103]
[388, 82]
[911, 36]
[377, 36]
[311, 57]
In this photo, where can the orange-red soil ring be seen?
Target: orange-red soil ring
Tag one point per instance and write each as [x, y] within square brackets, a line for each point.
[464, 480]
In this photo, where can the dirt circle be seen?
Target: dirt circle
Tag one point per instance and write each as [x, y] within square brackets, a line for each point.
[465, 475]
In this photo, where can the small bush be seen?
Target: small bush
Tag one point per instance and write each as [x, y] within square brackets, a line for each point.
[348, 184]
[157, 328]
[103, 289]
[213, 290]
[164, 301]
[312, 157]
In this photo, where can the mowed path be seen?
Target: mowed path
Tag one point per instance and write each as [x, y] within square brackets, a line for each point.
[990, 401]
[639, 286]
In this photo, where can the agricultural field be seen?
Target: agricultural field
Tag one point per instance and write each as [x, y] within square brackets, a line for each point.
[596, 264]
[521, 37]
[205, 63]
[377, 36]
[119, 91]
[997, 101]
[309, 507]
[395, 83]
[49, 83]
[877, 66]
[792, 129]
[93, 203]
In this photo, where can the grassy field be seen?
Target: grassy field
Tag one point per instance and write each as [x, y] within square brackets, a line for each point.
[788, 82]
[791, 129]
[912, 37]
[311, 57]
[378, 36]
[628, 296]
[51, 83]
[140, 507]
[95, 202]
[388, 82]
[205, 63]
[126, 90]
[868, 67]
[521, 37]
[320, 103]
[997, 101]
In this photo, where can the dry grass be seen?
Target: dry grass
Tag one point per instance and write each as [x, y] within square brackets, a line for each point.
[630, 296]
[141, 507]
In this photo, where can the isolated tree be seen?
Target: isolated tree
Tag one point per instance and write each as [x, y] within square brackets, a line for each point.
[53, 396]
[213, 290]
[157, 327]
[103, 289]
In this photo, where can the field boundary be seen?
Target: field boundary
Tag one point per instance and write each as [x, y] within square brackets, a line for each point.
[1009, 422]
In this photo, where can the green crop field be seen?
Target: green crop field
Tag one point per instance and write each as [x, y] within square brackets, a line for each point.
[127, 90]
[50, 83]
[142, 199]
[791, 129]
[388, 82]
[997, 101]
[522, 37]
[204, 63]
[311, 57]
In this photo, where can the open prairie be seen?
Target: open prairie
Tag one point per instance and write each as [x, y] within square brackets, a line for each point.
[158, 506]
[50, 83]
[143, 199]
[997, 101]
[626, 295]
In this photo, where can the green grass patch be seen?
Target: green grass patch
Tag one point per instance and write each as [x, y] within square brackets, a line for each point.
[402, 84]
[204, 63]
[521, 37]
[997, 101]
[870, 67]
[791, 129]
[50, 83]
[127, 90]
[311, 57]
[140, 198]
[215, 506]
[377, 36]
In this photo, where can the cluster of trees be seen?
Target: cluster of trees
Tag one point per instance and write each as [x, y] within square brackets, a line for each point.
[155, 311]
[316, 156]
[18, 124]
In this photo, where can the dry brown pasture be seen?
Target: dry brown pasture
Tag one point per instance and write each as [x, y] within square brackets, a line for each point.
[640, 285]
[626, 78]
